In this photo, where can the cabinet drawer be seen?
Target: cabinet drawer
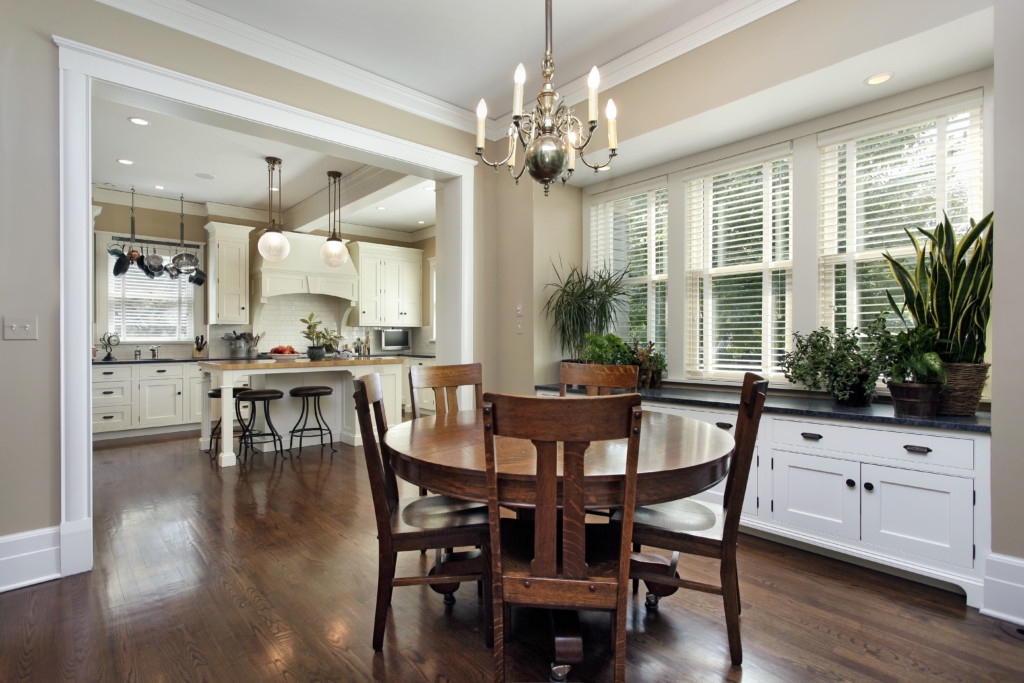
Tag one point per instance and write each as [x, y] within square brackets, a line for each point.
[111, 418]
[169, 370]
[111, 393]
[925, 449]
[110, 372]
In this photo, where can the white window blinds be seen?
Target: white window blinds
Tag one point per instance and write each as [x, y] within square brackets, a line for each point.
[631, 232]
[874, 184]
[144, 309]
[739, 270]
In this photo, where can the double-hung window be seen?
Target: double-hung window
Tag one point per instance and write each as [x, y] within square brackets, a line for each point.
[144, 309]
[630, 232]
[883, 177]
[739, 267]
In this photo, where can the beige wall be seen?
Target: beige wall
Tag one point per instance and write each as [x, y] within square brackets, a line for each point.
[151, 223]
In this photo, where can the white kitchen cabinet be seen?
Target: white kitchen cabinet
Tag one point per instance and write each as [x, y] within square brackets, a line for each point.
[228, 277]
[818, 494]
[390, 285]
[427, 402]
[113, 397]
[161, 402]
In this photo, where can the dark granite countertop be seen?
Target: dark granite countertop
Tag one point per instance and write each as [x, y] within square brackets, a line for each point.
[782, 404]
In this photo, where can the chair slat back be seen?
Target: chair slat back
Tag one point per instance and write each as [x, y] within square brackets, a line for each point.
[369, 396]
[599, 380]
[752, 397]
[444, 381]
[572, 423]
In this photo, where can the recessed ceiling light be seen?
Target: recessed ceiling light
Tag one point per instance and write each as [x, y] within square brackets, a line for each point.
[205, 176]
[138, 121]
[878, 79]
[273, 189]
[158, 187]
[126, 162]
[421, 222]
[382, 208]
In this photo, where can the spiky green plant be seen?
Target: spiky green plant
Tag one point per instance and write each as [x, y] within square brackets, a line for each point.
[584, 302]
[950, 288]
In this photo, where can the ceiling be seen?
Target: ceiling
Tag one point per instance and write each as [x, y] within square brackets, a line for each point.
[454, 52]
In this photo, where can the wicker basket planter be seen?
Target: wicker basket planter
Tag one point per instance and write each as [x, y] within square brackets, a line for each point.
[965, 382]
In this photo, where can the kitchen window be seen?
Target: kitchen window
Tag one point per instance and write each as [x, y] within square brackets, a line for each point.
[878, 181]
[739, 268]
[143, 310]
[631, 232]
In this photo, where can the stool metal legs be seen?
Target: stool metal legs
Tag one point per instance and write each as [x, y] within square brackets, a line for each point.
[246, 438]
[321, 425]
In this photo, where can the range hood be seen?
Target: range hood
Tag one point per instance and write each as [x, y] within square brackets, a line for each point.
[303, 272]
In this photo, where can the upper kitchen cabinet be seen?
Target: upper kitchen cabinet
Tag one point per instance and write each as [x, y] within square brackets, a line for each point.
[228, 282]
[390, 285]
[303, 272]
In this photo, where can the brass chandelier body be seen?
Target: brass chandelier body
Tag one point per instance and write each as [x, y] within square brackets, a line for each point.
[551, 136]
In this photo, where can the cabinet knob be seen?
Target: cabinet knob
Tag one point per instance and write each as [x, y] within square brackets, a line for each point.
[868, 486]
[851, 483]
[243, 308]
[179, 393]
[811, 436]
[724, 425]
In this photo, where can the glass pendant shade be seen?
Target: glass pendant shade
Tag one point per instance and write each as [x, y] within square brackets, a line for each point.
[334, 252]
[273, 246]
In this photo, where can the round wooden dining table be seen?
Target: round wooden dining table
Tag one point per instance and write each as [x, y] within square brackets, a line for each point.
[679, 457]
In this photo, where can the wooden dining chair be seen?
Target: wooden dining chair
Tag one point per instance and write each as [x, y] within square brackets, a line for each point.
[444, 381]
[695, 528]
[418, 523]
[598, 380]
[534, 561]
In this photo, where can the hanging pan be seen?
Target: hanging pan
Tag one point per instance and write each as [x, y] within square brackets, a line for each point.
[198, 278]
[184, 261]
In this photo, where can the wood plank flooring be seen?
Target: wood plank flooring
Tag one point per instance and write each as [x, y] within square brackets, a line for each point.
[268, 574]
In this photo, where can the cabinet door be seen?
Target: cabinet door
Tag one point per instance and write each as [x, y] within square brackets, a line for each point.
[425, 397]
[232, 282]
[370, 285]
[194, 411]
[391, 292]
[412, 293]
[406, 396]
[161, 402]
[920, 513]
[816, 493]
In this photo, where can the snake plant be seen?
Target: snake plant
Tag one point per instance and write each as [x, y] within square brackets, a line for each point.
[950, 288]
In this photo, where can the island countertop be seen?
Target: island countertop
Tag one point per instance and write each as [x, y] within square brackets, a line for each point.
[293, 365]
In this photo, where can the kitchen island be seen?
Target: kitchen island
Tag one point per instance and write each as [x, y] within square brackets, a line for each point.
[339, 408]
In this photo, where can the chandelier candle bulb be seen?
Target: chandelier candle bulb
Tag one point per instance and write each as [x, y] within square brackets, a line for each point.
[481, 118]
[517, 92]
[593, 81]
[613, 128]
[511, 148]
[572, 151]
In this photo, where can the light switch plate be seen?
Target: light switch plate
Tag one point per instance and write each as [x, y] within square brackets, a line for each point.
[21, 327]
[519, 325]
[519, 308]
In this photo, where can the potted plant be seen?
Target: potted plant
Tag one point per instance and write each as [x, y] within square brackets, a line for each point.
[607, 349]
[834, 361]
[584, 302]
[652, 365]
[912, 370]
[318, 338]
[950, 289]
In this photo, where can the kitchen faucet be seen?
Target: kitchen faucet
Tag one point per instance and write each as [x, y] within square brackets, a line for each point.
[152, 351]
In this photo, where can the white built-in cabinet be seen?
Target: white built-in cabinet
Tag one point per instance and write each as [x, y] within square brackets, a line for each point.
[913, 498]
[390, 285]
[426, 398]
[161, 395]
[228, 277]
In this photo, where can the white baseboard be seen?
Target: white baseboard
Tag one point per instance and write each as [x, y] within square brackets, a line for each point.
[1004, 588]
[29, 557]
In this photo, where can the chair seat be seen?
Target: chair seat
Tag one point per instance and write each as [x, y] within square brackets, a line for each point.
[680, 518]
[423, 516]
[310, 391]
[259, 395]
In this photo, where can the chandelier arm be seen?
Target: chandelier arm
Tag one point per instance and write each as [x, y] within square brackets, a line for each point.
[611, 155]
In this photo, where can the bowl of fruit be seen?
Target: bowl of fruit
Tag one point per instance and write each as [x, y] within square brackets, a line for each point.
[285, 353]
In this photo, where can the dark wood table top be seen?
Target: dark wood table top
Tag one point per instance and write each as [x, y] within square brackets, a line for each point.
[679, 457]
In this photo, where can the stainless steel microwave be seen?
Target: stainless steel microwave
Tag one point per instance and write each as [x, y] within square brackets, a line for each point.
[394, 339]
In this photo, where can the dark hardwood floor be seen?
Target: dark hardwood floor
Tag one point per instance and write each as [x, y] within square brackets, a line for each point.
[268, 573]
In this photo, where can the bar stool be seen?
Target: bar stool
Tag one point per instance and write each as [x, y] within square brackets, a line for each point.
[215, 431]
[306, 393]
[247, 439]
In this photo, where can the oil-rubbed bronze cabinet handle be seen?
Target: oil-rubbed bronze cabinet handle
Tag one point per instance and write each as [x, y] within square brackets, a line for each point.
[108, 372]
[107, 393]
[161, 371]
[724, 425]
[108, 417]
[811, 436]
[910, 448]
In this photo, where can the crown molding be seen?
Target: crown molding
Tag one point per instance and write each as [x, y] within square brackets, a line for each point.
[386, 234]
[709, 26]
[208, 25]
[205, 209]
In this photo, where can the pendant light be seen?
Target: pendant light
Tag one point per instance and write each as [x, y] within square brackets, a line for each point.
[273, 245]
[334, 252]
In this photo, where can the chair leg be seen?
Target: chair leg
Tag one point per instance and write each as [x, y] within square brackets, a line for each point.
[385, 586]
[277, 438]
[731, 600]
[636, 582]
[302, 417]
[486, 587]
[619, 645]
[323, 427]
[499, 613]
[244, 428]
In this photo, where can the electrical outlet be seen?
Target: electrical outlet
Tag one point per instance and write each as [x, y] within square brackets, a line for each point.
[21, 327]
[519, 325]
[519, 308]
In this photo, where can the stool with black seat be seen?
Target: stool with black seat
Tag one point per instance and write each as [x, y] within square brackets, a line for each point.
[307, 393]
[215, 431]
[247, 440]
